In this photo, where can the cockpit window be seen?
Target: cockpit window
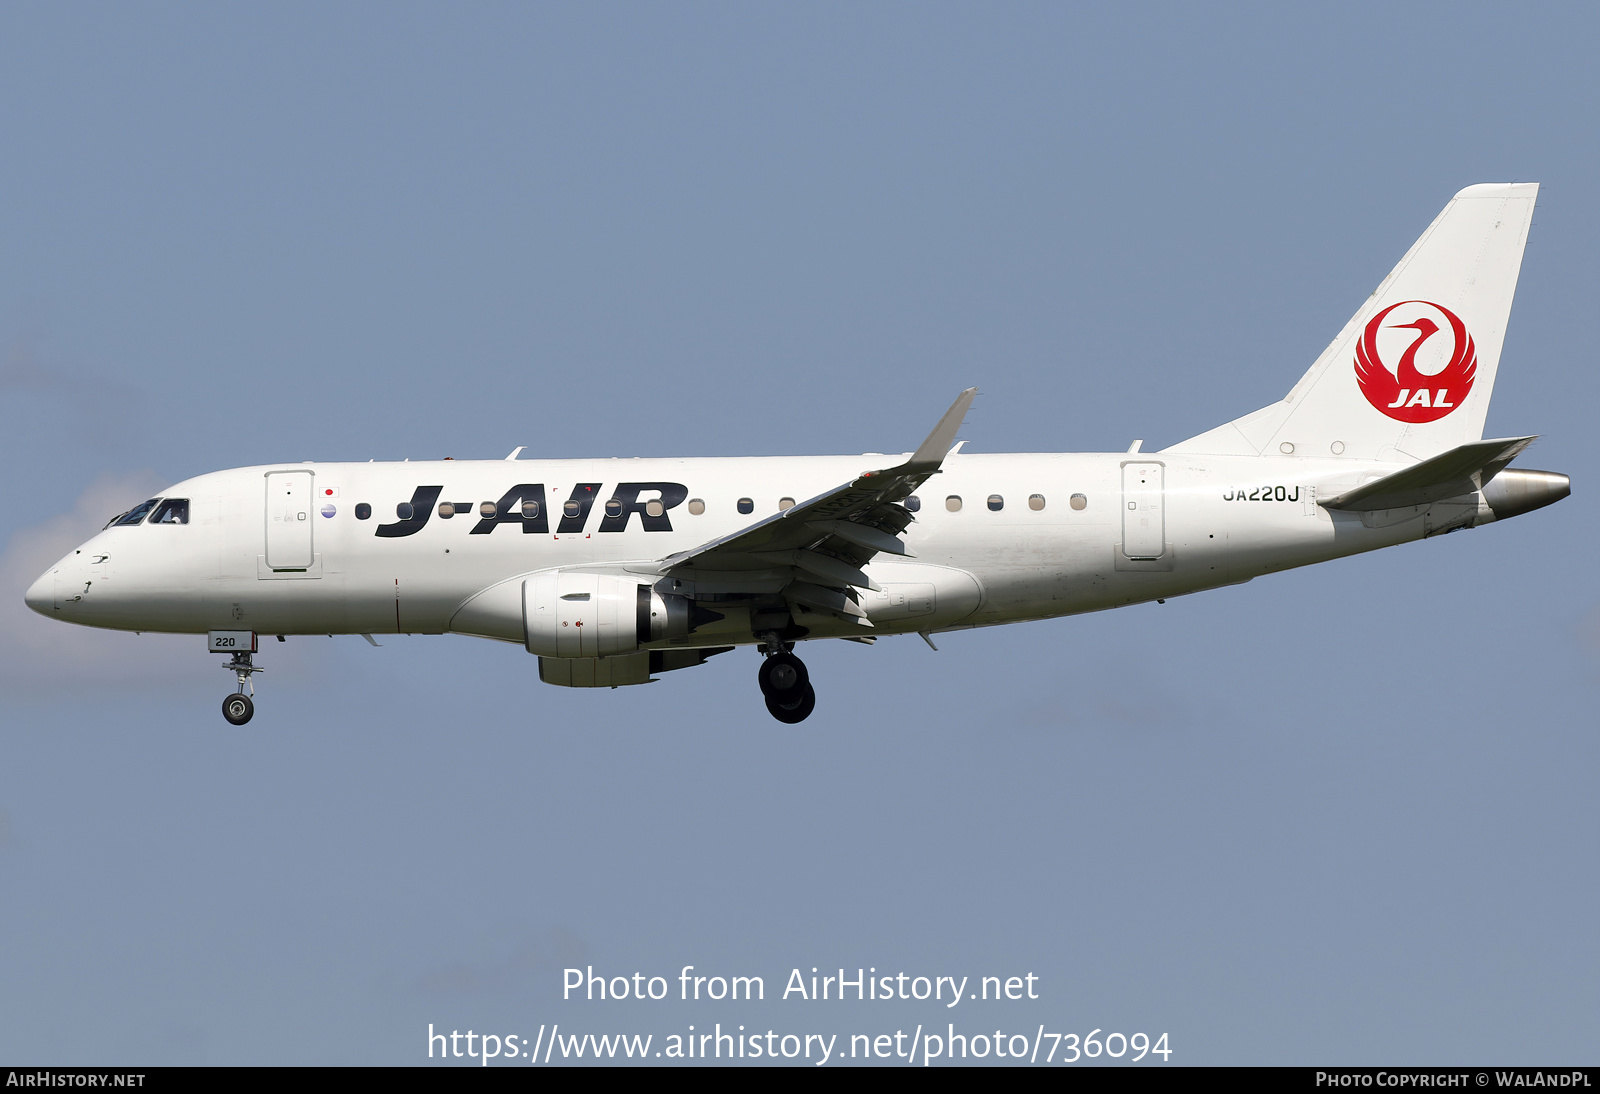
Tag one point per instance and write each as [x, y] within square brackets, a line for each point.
[137, 513]
[171, 511]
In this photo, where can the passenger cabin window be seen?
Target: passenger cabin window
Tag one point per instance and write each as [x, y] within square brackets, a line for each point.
[654, 508]
[746, 505]
[530, 508]
[697, 506]
[613, 508]
[363, 510]
[785, 503]
[136, 514]
[171, 511]
[404, 511]
[1078, 501]
[953, 503]
[1036, 502]
[913, 503]
[486, 510]
[446, 510]
[571, 508]
[996, 503]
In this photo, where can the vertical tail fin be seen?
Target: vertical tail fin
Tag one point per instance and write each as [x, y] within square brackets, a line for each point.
[1411, 374]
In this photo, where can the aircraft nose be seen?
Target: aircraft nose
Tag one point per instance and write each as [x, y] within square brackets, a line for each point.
[41, 595]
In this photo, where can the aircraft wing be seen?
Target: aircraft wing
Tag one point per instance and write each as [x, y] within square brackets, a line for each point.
[813, 552]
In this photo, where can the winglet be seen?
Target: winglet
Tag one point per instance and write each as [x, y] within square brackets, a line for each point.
[932, 451]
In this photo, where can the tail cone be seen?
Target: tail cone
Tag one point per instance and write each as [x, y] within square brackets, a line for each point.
[1516, 490]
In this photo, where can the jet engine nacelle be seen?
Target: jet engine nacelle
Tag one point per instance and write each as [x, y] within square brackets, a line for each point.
[569, 613]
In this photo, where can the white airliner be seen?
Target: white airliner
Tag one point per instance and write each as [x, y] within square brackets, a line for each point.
[614, 570]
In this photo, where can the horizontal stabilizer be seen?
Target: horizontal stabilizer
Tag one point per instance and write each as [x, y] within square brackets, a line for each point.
[1447, 475]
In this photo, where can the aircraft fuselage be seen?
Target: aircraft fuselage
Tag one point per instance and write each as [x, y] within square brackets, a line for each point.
[1063, 539]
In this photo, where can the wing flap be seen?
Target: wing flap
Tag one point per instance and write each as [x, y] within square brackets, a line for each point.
[866, 536]
[832, 570]
[803, 597]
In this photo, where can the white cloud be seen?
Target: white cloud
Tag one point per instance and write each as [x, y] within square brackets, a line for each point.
[37, 650]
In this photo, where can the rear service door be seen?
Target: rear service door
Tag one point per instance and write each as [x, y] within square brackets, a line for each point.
[289, 520]
[1144, 529]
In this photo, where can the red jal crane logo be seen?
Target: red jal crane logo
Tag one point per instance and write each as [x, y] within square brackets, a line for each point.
[1406, 393]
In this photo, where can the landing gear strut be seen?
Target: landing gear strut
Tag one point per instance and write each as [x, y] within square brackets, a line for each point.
[239, 707]
[786, 685]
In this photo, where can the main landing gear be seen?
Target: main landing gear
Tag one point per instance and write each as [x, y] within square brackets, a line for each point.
[239, 707]
[786, 685]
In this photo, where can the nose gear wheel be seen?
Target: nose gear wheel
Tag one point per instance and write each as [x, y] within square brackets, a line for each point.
[238, 708]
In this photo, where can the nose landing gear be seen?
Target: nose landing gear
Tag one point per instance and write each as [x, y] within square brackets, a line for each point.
[787, 687]
[238, 708]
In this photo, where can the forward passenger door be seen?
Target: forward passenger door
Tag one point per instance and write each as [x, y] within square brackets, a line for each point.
[289, 520]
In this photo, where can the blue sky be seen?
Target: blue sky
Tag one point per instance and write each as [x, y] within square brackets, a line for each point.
[1344, 814]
